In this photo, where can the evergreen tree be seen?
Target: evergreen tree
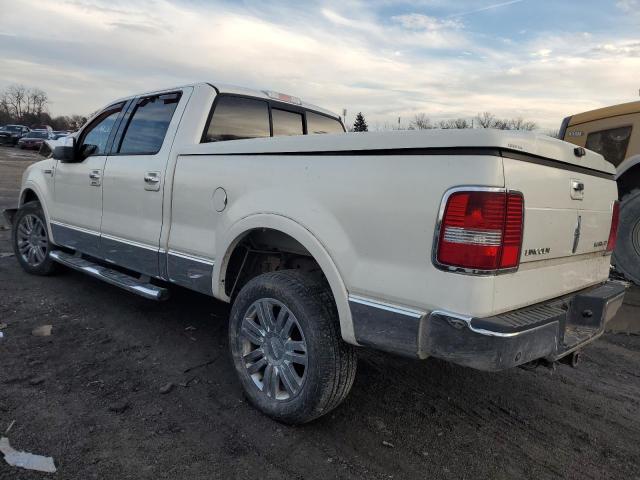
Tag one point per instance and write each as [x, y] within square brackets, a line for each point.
[360, 125]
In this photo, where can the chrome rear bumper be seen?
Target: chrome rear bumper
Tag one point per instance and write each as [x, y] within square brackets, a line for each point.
[549, 330]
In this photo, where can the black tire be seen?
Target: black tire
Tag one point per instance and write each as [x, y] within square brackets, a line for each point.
[626, 256]
[46, 266]
[330, 362]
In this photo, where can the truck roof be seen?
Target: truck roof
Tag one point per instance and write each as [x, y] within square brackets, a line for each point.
[234, 89]
[605, 112]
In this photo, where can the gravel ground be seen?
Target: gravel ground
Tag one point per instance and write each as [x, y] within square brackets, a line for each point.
[90, 396]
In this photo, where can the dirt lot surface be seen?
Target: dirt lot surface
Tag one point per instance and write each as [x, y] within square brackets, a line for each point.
[90, 396]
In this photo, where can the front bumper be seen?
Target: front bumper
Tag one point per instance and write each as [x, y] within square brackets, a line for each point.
[549, 330]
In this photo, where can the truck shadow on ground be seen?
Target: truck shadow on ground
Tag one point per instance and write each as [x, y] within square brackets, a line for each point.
[101, 410]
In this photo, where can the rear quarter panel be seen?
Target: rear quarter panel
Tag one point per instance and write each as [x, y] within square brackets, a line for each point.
[374, 215]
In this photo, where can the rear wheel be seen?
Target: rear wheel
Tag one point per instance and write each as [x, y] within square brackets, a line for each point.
[626, 257]
[286, 347]
[30, 240]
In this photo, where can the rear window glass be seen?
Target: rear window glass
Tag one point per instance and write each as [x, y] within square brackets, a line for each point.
[235, 118]
[320, 124]
[286, 123]
[148, 125]
[611, 144]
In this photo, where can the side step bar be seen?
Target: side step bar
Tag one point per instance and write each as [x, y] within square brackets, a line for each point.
[119, 279]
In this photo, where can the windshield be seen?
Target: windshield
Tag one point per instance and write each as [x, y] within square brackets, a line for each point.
[37, 135]
[13, 128]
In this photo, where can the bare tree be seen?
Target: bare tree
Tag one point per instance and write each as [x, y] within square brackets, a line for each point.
[37, 101]
[460, 123]
[421, 122]
[485, 120]
[22, 104]
[15, 97]
[521, 124]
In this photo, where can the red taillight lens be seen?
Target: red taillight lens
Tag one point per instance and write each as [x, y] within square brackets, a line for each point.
[481, 230]
[613, 233]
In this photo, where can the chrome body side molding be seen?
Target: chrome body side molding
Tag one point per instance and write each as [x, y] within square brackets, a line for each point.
[183, 269]
[195, 273]
[80, 239]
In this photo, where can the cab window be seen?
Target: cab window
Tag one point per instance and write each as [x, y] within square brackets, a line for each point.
[611, 144]
[148, 124]
[317, 123]
[235, 118]
[286, 123]
[95, 137]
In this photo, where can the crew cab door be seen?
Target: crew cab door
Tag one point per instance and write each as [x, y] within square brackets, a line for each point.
[76, 210]
[134, 181]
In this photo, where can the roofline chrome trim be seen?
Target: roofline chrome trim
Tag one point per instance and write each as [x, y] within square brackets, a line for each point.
[386, 306]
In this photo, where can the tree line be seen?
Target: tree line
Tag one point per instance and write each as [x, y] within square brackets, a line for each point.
[30, 107]
[483, 120]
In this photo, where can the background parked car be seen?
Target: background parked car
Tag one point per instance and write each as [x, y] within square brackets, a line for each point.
[34, 139]
[59, 134]
[10, 134]
[48, 128]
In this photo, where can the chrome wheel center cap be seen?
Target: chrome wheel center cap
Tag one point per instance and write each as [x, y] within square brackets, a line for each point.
[276, 348]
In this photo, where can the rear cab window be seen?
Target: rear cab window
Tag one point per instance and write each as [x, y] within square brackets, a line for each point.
[236, 117]
[317, 124]
[286, 123]
[611, 143]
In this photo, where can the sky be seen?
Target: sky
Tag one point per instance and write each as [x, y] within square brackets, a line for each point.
[537, 59]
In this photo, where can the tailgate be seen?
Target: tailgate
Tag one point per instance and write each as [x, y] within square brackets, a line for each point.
[568, 208]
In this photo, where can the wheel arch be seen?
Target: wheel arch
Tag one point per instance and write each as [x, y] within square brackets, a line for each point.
[29, 195]
[299, 233]
[31, 192]
[628, 175]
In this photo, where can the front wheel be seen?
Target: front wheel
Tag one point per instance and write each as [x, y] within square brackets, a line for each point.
[286, 346]
[626, 256]
[30, 240]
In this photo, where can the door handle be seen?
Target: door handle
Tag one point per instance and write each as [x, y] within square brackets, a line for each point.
[152, 181]
[95, 176]
[577, 185]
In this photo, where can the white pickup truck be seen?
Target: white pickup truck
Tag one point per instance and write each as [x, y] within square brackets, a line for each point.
[484, 248]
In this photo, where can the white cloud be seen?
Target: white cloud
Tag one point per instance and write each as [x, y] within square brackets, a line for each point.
[417, 21]
[628, 5]
[543, 52]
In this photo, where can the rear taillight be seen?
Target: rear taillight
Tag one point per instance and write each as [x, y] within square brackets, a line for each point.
[613, 232]
[481, 230]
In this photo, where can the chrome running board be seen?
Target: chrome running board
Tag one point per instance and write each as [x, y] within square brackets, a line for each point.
[119, 279]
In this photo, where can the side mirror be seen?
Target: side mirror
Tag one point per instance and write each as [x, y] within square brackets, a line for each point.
[66, 153]
[87, 150]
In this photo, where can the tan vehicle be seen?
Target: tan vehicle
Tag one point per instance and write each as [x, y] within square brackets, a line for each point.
[614, 132]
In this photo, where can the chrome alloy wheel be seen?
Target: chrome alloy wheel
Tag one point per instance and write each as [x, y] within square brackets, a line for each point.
[274, 349]
[32, 240]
